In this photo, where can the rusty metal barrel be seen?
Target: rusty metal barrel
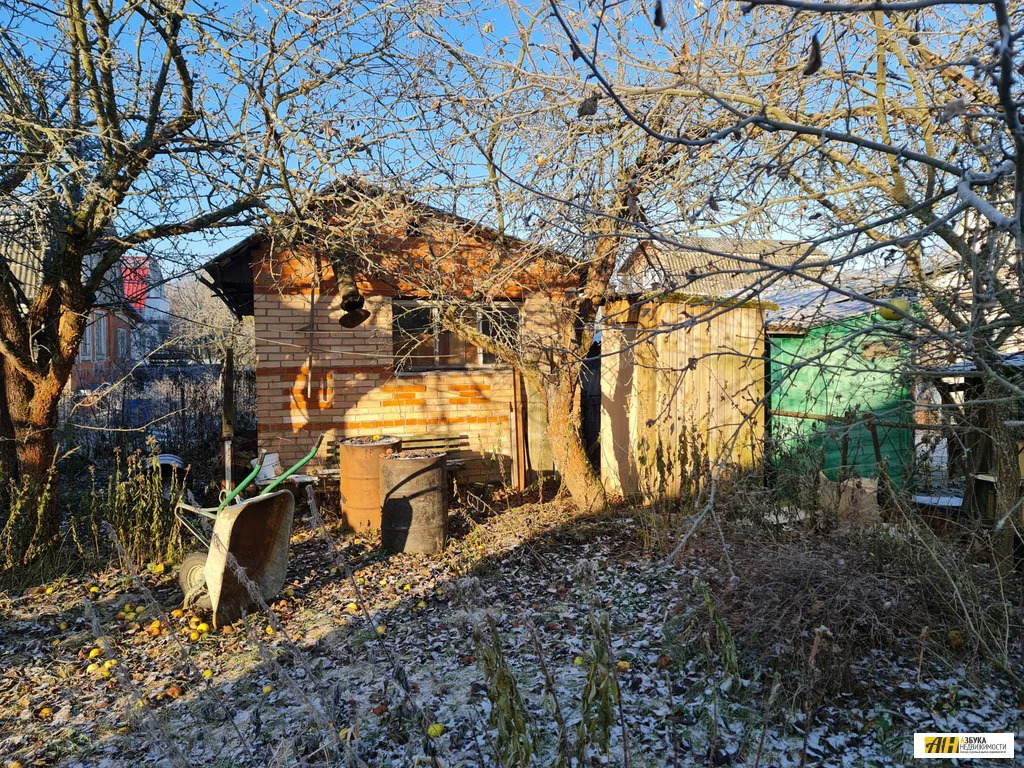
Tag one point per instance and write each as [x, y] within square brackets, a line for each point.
[359, 459]
[414, 501]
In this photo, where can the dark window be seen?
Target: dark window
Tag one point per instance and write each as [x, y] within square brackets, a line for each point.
[501, 323]
[420, 343]
[412, 335]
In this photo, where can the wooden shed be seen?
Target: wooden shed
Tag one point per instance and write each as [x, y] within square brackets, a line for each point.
[682, 386]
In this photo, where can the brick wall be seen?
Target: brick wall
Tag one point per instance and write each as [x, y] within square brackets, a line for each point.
[352, 388]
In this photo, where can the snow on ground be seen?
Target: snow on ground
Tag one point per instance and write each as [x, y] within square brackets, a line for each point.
[325, 688]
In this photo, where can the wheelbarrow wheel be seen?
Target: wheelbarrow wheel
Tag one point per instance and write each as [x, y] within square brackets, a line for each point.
[192, 579]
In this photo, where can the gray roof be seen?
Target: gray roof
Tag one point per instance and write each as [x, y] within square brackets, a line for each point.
[801, 306]
[27, 242]
[714, 266]
[804, 304]
[24, 244]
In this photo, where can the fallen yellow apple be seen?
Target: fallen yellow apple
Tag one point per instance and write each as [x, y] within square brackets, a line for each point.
[203, 627]
[435, 730]
[207, 673]
[268, 688]
[193, 635]
[381, 629]
[95, 652]
[92, 668]
[624, 666]
[49, 590]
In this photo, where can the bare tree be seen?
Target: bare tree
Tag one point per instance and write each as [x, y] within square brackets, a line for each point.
[507, 134]
[127, 124]
[876, 133]
[204, 328]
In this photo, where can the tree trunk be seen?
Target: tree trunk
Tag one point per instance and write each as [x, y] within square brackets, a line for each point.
[8, 451]
[31, 411]
[577, 473]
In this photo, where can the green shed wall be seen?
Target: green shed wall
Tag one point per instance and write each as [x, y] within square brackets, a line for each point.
[834, 371]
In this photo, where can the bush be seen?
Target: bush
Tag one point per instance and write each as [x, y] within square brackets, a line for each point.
[23, 539]
[894, 588]
[139, 508]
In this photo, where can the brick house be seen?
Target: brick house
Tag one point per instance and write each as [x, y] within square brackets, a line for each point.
[105, 351]
[398, 372]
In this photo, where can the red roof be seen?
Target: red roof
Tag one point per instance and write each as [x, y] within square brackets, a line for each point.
[135, 274]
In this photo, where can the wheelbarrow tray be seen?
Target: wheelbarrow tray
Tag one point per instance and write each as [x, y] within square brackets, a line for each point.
[257, 533]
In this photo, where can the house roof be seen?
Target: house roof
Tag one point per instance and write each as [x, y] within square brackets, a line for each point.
[1012, 361]
[801, 307]
[232, 274]
[803, 304]
[715, 266]
[27, 241]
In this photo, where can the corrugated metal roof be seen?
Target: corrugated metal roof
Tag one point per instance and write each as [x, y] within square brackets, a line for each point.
[800, 308]
[803, 304]
[713, 266]
[24, 243]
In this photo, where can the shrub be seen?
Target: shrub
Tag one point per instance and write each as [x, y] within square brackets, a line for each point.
[139, 507]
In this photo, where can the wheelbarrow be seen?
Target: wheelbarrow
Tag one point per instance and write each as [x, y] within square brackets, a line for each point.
[255, 533]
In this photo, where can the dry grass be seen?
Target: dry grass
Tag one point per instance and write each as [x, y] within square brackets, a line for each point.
[898, 590]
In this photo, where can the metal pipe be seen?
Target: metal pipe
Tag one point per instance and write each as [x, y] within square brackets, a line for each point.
[242, 485]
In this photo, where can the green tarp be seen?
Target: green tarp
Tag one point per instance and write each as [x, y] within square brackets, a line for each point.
[823, 384]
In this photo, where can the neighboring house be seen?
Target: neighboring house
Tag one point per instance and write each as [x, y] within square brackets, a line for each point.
[105, 352]
[25, 243]
[145, 292]
[396, 372]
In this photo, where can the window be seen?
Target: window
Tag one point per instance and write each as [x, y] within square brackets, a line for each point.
[85, 346]
[100, 327]
[420, 343]
[122, 343]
